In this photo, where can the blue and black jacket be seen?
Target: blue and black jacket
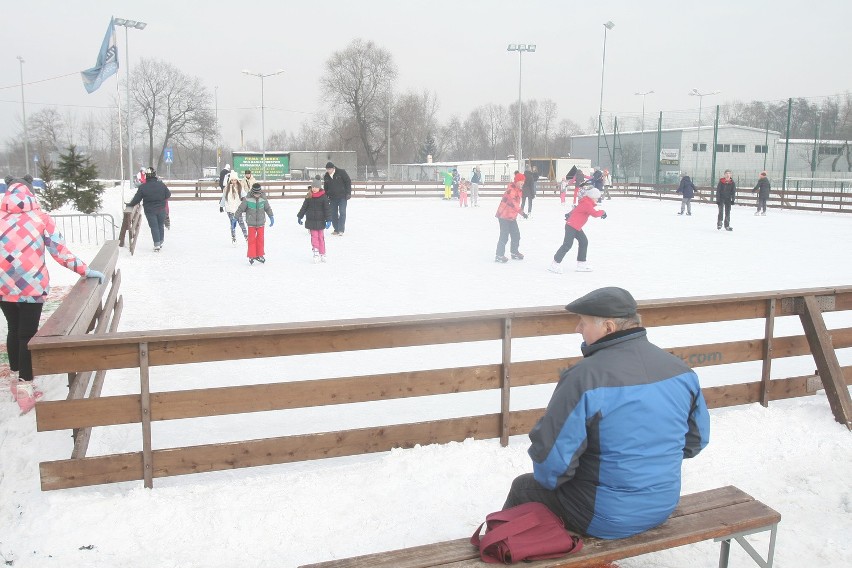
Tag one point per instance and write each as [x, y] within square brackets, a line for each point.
[615, 432]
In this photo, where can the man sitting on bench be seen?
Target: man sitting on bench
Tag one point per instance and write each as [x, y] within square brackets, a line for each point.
[607, 453]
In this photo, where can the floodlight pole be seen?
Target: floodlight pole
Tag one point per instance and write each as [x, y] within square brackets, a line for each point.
[700, 95]
[642, 135]
[24, 118]
[262, 76]
[607, 26]
[127, 24]
[520, 48]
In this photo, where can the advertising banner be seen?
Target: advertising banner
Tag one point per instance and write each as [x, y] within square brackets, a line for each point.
[670, 156]
[277, 164]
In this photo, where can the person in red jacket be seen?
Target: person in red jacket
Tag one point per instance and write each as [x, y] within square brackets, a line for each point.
[574, 222]
[507, 215]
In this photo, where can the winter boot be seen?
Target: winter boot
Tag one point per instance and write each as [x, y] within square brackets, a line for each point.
[583, 266]
[27, 396]
[502, 259]
[316, 256]
[555, 267]
[517, 256]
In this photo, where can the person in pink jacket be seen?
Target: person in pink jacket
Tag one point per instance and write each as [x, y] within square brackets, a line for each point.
[574, 222]
[26, 233]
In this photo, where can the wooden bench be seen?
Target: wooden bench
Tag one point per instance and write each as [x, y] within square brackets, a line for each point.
[723, 514]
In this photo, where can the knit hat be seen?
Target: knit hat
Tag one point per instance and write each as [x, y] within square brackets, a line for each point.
[594, 193]
[519, 177]
[255, 190]
[316, 182]
[609, 302]
[328, 165]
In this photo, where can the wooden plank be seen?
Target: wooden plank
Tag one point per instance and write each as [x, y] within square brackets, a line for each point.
[826, 360]
[724, 517]
[124, 409]
[767, 353]
[145, 409]
[64, 474]
[505, 382]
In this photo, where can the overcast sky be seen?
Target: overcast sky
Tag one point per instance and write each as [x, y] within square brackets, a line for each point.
[747, 49]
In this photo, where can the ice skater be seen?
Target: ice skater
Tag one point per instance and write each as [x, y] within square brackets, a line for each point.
[574, 222]
[762, 188]
[464, 189]
[316, 210]
[256, 208]
[686, 189]
[725, 194]
[232, 196]
[507, 215]
[475, 180]
[154, 196]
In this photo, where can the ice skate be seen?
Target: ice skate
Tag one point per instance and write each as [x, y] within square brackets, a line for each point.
[763, 214]
[729, 228]
[583, 266]
[322, 258]
[157, 248]
[251, 261]
[517, 256]
[718, 226]
[27, 396]
[261, 259]
[233, 239]
[316, 256]
[555, 267]
[681, 213]
[756, 213]
[501, 259]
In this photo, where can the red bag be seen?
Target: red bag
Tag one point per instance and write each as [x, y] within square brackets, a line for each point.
[529, 531]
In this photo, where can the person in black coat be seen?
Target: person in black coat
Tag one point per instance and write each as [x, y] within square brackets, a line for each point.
[762, 188]
[687, 191]
[316, 210]
[154, 196]
[338, 188]
[530, 182]
[725, 194]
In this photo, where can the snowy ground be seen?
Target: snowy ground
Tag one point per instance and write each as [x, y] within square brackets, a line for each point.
[408, 256]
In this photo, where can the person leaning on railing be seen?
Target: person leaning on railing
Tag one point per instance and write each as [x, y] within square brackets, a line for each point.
[25, 233]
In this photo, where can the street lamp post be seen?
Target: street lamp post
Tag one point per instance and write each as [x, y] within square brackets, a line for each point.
[642, 135]
[262, 116]
[607, 26]
[24, 117]
[696, 93]
[127, 24]
[520, 48]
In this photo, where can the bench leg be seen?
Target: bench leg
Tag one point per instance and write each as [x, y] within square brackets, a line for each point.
[740, 538]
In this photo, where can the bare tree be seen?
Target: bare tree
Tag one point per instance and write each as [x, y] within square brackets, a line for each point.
[414, 117]
[549, 112]
[174, 106]
[359, 80]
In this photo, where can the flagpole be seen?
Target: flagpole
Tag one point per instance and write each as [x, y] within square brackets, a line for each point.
[129, 133]
[120, 141]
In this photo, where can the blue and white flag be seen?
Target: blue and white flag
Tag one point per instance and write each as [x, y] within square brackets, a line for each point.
[106, 65]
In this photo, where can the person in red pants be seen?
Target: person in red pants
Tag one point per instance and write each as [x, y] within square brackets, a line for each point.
[256, 208]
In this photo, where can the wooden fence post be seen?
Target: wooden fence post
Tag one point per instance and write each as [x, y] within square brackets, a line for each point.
[826, 361]
[505, 383]
[145, 399]
[767, 352]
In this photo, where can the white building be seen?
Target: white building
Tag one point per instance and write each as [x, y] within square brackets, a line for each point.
[668, 153]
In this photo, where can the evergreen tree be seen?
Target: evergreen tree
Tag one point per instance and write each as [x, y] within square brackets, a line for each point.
[78, 175]
[51, 197]
[429, 148]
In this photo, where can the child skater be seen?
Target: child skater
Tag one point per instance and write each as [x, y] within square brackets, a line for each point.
[317, 213]
[464, 187]
[256, 208]
[563, 188]
[574, 222]
[232, 196]
[507, 216]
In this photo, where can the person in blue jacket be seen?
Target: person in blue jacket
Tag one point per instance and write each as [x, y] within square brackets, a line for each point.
[687, 191]
[607, 452]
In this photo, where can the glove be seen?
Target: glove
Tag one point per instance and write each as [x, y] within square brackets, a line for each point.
[524, 215]
[95, 274]
[299, 219]
[327, 224]
[221, 210]
[271, 220]
[604, 215]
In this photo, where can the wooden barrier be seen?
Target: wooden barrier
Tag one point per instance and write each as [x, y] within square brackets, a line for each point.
[131, 222]
[81, 313]
[64, 353]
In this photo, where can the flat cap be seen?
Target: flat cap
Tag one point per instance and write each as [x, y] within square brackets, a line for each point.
[609, 302]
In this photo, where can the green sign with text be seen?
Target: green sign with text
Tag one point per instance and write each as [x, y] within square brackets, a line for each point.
[277, 164]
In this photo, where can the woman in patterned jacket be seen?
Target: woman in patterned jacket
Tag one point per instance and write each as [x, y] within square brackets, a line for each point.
[26, 233]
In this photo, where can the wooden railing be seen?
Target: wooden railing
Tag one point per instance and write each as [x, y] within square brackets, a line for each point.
[81, 313]
[131, 222]
[63, 353]
[835, 201]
